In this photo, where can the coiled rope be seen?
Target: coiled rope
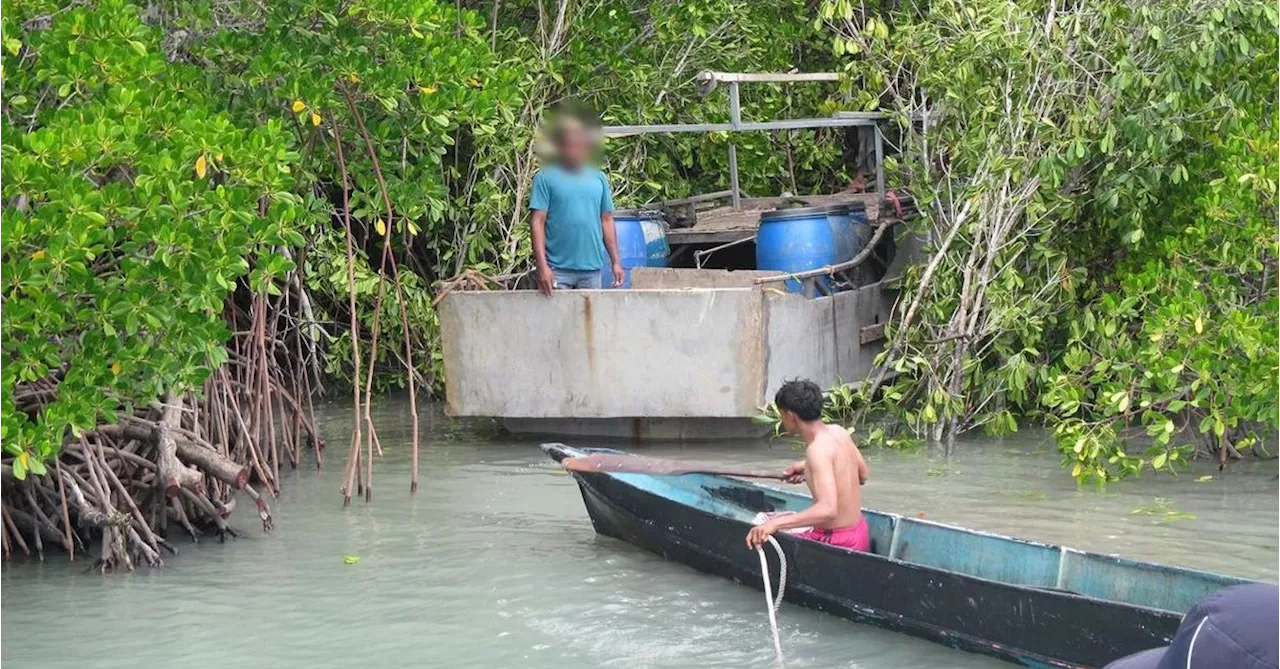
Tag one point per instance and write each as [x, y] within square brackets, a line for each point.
[774, 603]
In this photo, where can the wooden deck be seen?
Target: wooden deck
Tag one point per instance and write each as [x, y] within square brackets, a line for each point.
[723, 224]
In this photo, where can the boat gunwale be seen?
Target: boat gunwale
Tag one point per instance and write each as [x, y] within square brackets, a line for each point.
[1111, 557]
[979, 643]
[899, 561]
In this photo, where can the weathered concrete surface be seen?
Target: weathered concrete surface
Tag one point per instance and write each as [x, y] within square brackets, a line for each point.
[647, 354]
[684, 354]
[673, 277]
[818, 338]
[604, 354]
[799, 341]
[641, 429]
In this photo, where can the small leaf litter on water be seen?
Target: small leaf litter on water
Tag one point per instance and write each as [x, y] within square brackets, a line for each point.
[350, 559]
[1205, 479]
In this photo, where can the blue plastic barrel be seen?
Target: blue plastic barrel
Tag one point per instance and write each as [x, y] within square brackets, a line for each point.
[656, 249]
[857, 213]
[839, 217]
[862, 232]
[654, 226]
[796, 240]
[632, 249]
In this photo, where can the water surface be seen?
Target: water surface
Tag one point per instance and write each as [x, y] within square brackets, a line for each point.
[494, 564]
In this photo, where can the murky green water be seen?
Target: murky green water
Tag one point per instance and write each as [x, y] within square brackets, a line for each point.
[494, 564]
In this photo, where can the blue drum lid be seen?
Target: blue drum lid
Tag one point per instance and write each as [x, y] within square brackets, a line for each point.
[816, 210]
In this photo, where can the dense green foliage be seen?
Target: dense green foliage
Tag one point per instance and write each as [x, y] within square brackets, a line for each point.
[412, 93]
[133, 205]
[450, 101]
[635, 63]
[162, 158]
[1098, 179]
[1099, 182]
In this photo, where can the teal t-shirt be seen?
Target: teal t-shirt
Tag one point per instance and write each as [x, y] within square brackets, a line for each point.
[574, 201]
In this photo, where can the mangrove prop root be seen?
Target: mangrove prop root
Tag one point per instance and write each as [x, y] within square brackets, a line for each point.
[178, 465]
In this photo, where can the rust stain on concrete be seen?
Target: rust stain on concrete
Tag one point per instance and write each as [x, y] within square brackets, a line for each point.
[449, 332]
[588, 333]
[751, 358]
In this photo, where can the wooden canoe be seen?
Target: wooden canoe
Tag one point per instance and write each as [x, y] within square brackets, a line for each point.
[1024, 601]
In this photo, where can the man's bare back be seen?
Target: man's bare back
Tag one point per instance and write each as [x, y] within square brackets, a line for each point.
[833, 450]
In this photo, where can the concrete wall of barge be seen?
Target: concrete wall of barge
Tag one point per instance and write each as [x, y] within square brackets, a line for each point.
[692, 344]
[604, 353]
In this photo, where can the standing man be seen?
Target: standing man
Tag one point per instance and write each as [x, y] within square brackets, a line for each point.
[572, 215]
[832, 466]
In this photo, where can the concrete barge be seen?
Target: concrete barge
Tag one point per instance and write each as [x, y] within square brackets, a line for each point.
[683, 354]
[693, 353]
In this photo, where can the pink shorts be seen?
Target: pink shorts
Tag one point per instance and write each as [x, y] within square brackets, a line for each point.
[854, 538]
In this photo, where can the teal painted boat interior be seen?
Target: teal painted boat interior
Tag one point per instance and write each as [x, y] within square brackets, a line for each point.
[1141, 583]
[979, 554]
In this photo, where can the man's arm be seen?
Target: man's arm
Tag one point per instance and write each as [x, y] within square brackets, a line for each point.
[538, 224]
[820, 469]
[863, 472]
[610, 232]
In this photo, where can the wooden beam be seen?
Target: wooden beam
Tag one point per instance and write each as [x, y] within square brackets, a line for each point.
[871, 333]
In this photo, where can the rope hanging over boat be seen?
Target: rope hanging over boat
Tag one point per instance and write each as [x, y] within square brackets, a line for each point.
[774, 603]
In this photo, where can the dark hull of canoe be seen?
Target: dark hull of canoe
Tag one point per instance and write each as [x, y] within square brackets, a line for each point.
[1036, 627]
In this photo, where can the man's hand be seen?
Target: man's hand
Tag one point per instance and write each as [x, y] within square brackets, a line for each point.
[546, 281]
[619, 277]
[759, 534]
[794, 473]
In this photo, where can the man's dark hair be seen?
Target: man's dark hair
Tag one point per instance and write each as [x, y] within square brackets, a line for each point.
[801, 396]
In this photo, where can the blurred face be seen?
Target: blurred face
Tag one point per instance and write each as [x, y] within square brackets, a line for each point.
[574, 147]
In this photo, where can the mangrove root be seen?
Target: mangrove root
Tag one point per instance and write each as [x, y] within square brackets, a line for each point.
[174, 466]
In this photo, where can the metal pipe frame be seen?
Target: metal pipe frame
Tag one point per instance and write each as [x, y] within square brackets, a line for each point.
[767, 77]
[735, 119]
[706, 82]
[699, 255]
[743, 126]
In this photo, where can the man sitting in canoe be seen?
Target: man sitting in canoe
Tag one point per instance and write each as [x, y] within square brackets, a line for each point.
[833, 468]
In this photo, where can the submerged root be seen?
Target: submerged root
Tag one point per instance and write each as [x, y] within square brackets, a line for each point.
[183, 460]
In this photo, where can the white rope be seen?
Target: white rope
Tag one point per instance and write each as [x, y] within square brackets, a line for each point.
[774, 604]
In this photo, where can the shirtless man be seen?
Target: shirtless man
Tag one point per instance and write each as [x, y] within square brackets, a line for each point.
[833, 468]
